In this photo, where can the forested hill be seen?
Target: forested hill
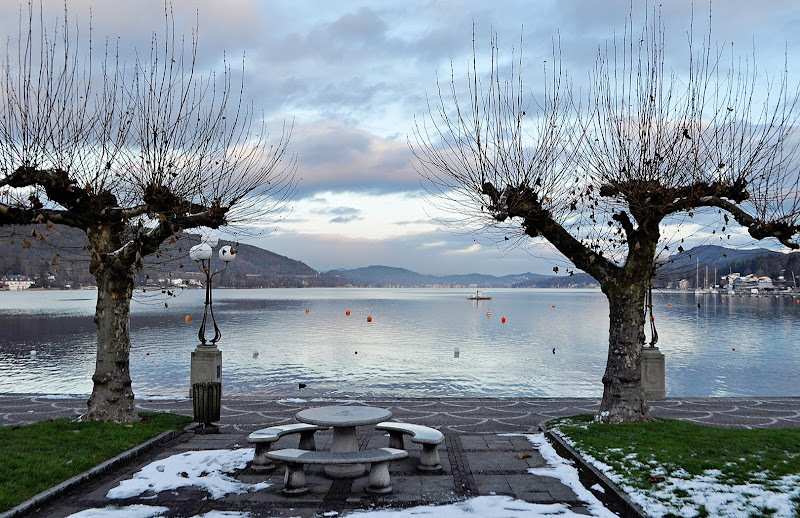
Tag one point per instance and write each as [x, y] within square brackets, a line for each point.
[758, 261]
[381, 276]
[64, 254]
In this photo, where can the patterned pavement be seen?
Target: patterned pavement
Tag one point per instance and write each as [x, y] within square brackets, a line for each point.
[456, 415]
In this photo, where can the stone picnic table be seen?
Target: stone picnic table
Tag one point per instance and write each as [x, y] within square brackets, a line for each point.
[344, 420]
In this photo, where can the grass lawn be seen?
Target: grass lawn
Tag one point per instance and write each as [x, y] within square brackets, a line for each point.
[38, 456]
[675, 468]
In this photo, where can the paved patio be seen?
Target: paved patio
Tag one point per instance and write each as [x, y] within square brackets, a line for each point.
[477, 457]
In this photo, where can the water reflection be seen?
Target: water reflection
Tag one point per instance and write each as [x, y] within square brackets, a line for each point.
[554, 343]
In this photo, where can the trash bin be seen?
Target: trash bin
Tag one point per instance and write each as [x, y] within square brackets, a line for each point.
[207, 401]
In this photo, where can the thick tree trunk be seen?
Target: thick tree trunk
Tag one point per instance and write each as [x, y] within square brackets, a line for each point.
[623, 396]
[112, 396]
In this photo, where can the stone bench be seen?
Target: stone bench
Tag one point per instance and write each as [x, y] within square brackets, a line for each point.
[294, 483]
[264, 438]
[429, 438]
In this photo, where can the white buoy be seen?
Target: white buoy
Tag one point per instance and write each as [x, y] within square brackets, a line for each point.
[456, 352]
[33, 354]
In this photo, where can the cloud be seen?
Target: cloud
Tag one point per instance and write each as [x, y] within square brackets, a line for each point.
[334, 156]
[472, 249]
[345, 219]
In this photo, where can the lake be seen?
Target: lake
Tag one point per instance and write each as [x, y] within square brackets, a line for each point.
[553, 342]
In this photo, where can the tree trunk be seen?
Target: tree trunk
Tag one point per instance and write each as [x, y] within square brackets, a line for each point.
[623, 396]
[112, 396]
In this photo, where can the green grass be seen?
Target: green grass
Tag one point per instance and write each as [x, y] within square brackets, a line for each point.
[684, 450]
[39, 456]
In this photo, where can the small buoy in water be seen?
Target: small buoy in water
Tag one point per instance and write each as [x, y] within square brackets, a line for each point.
[147, 354]
[733, 349]
[356, 352]
[554, 350]
[307, 311]
[456, 352]
[503, 320]
[188, 318]
[741, 299]
[347, 312]
[33, 354]
[255, 355]
[670, 304]
[369, 319]
[301, 385]
[488, 313]
[554, 306]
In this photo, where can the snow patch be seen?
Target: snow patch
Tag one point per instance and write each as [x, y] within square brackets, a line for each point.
[204, 469]
[479, 507]
[130, 511]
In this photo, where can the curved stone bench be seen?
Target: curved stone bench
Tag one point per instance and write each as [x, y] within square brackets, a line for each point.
[264, 438]
[294, 483]
[429, 438]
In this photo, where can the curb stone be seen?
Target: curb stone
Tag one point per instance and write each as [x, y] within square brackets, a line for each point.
[616, 499]
[49, 494]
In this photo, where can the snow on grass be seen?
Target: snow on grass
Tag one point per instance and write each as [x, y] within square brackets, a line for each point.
[681, 494]
[204, 469]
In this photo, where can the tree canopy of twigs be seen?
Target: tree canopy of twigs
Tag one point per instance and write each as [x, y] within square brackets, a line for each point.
[131, 152]
[608, 174]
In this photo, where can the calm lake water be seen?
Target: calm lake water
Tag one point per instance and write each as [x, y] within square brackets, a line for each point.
[408, 348]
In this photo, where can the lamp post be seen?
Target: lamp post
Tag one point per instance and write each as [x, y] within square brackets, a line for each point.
[206, 363]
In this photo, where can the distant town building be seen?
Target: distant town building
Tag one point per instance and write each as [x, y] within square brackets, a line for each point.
[16, 282]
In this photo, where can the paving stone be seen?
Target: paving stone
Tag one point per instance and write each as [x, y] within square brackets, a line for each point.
[493, 484]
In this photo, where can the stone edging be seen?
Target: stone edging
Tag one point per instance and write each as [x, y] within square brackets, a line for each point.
[616, 499]
[55, 491]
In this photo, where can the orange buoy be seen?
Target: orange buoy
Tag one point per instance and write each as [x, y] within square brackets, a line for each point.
[188, 318]
[733, 349]
[369, 319]
[741, 299]
[488, 314]
[670, 304]
[554, 306]
[307, 311]
[503, 320]
[347, 312]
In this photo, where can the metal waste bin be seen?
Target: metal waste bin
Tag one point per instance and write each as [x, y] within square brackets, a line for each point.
[207, 401]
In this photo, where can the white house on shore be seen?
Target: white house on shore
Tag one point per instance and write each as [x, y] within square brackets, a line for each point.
[16, 282]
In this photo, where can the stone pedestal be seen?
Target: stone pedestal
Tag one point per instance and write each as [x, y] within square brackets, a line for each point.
[653, 374]
[206, 366]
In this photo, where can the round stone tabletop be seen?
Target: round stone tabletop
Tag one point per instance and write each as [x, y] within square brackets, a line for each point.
[343, 415]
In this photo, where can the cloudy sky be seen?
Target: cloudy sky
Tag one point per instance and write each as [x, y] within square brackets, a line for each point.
[353, 75]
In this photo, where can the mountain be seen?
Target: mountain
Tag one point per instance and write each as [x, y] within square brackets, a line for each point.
[380, 276]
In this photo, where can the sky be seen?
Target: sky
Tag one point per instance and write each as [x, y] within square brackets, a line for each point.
[352, 77]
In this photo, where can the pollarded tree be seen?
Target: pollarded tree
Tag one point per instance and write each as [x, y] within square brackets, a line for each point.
[607, 177]
[133, 155]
